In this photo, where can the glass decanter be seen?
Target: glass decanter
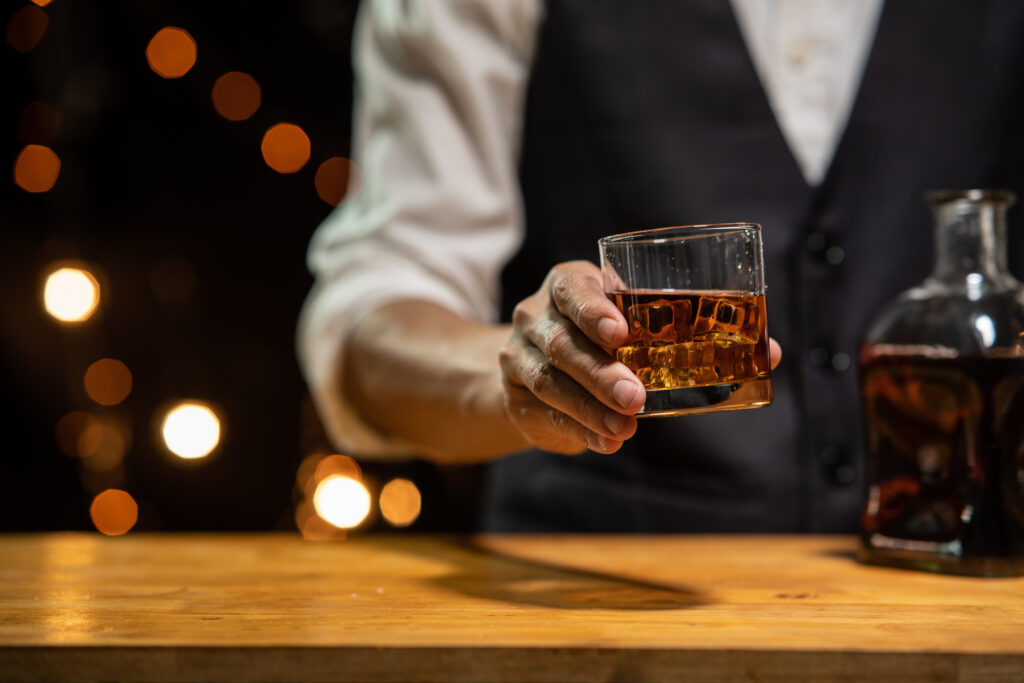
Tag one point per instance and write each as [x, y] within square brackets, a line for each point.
[942, 385]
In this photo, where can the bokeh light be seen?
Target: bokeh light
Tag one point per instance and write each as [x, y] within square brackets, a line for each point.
[337, 464]
[191, 430]
[336, 179]
[316, 467]
[36, 168]
[77, 434]
[26, 28]
[41, 3]
[108, 381]
[400, 502]
[236, 96]
[171, 52]
[102, 445]
[99, 442]
[114, 512]
[71, 294]
[285, 147]
[342, 501]
[38, 124]
[313, 527]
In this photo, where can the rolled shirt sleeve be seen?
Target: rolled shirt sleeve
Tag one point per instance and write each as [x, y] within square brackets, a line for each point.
[438, 111]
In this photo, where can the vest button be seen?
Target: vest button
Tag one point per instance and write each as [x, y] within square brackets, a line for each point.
[838, 469]
[831, 455]
[816, 242]
[818, 356]
[844, 475]
[835, 256]
[841, 362]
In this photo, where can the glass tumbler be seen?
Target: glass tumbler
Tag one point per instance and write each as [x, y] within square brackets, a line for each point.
[694, 299]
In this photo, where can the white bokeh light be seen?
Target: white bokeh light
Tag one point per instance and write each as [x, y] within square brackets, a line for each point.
[342, 501]
[191, 430]
[71, 294]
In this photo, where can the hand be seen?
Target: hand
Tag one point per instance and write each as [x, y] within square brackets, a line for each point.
[564, 389]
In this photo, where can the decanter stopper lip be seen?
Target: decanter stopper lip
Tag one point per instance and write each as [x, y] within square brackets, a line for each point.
[937, 197]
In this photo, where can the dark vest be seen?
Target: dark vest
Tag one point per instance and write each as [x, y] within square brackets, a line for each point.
[648, 113]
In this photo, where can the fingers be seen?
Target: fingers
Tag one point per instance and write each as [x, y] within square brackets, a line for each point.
[774, 352]
[566, 348]
[549, 406]
[564, 390]
[577, 293]
[553, 430]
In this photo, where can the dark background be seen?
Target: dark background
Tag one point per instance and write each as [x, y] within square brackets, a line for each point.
[200, 250]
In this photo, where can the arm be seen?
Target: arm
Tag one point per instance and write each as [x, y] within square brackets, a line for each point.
[394, 338]
[462, 390]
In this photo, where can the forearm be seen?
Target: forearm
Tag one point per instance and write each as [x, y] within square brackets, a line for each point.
[420, 372]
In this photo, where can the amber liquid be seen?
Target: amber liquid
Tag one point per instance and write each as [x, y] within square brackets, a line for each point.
[945, 460]
[696, 351]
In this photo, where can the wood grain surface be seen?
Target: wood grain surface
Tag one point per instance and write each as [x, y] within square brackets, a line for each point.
[82, 607]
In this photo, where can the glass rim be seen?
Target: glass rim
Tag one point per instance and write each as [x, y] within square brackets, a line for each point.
[676, 232]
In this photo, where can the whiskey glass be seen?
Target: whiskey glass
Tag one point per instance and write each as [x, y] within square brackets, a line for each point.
[694, 299]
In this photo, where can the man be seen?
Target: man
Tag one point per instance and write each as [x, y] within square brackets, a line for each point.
[797, 115]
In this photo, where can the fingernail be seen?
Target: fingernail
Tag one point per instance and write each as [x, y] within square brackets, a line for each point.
[625, 392]
[614, 422]
[596, 443]
[606, 328]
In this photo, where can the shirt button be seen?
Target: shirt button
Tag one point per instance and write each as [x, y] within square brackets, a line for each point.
[798, 53]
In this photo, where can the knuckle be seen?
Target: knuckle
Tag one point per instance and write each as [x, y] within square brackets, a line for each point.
[507, 355]
[522, 313]
[557, 341]
[572, 294]
[583, 406]
[562, 286]
[558, 420]
[542, 379]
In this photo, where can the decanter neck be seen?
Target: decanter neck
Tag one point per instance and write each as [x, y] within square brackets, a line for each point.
[970, 236]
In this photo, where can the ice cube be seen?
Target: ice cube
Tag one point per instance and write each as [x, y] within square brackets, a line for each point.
[633, 357]
[683, 320]
[636, 315]
[730, 320]
[660, 322]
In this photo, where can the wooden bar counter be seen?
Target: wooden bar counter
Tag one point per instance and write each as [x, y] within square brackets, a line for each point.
[271, 607]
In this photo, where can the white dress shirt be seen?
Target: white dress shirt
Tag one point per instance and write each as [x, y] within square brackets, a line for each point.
[438, 113]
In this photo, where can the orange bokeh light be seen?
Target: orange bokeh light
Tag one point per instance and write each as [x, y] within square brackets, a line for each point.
[108, 381]
[41, 3]
[26, 28]
[36, 168]
[171, 52]
[285, 147]
[77, 434]
[337, 464]
[336, 179]
[236, 96]
[400, 502]
[100, 443]
[114, 512]
[313, 527]
[38, 123]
